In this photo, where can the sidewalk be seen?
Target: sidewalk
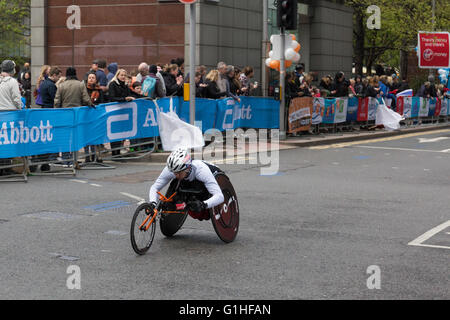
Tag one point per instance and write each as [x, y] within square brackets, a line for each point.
[309, 140]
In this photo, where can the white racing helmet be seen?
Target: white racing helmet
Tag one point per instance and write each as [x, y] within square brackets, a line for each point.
[179, 160]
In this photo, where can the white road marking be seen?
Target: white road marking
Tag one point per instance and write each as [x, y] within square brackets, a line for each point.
[404, 149]
[80, 181]
[427, 235]
[133, 197]
[425, 140]
[95, 185]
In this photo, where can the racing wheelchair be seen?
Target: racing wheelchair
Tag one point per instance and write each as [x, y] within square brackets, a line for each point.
[172, 211]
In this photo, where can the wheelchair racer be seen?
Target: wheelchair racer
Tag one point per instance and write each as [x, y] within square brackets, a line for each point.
[180, 166]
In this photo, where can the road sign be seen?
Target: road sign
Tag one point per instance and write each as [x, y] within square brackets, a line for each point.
[434, 49]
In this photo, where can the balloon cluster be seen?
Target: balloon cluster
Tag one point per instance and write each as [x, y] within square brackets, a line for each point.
[443, 75]
[291, 49]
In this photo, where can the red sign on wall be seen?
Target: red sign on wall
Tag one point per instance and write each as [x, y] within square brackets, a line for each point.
[434, 49]
[188, 1]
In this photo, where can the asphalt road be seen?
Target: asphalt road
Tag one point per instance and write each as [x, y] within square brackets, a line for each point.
[368, 220]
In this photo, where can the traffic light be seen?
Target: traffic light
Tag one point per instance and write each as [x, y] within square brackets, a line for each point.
[287, 14]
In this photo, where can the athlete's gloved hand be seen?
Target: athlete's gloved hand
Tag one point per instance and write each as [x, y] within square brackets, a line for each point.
[197, 206]
[151, 208]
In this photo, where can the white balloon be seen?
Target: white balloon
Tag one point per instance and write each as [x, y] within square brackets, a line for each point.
[294, 44]
[290, 54]
[271, 53]
[268, 61]
[297, 57]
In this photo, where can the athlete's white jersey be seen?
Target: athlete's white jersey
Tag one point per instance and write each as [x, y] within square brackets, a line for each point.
[199, 171]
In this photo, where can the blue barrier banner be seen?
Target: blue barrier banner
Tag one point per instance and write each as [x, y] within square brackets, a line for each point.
[352, 109]
[251, 112]
[36, 131]
[205, 112]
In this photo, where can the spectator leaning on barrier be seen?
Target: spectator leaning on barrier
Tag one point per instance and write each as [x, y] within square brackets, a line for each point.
[212, 90]
[340, 85]
[119, 91]
[373, 89]
[72, 92]
[325, 86]
[48, 88]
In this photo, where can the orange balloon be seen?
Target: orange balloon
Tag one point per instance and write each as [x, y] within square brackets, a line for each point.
[274, 64]
[293, 37]
[288, 63]
[298, 48]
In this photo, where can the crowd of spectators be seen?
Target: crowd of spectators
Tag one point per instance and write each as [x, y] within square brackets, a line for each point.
[387, 86]
[110, 83]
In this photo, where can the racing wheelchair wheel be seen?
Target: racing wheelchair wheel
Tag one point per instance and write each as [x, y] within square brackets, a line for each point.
[142, 239]
[225, 217]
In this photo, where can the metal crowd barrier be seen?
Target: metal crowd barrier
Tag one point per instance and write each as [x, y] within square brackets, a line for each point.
[14, 170]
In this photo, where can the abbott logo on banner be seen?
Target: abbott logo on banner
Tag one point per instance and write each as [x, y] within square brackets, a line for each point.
[121, 118]
[236, 113]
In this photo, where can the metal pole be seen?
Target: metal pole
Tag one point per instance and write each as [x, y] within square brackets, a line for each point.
[433, 19]
[264, 49]
[192, 48]
[282, 88]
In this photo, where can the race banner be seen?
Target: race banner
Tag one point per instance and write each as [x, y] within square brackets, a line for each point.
[300, 114]
[352, 109]
[372, 109]
[363, 109]
[341, 110]
[318, 110]
[329, 111]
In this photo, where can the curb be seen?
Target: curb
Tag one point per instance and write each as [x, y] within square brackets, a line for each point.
[350, 137]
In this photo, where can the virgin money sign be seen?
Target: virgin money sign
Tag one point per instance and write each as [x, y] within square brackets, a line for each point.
[434, 49]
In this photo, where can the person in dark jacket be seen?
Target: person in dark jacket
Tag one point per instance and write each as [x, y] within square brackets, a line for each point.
[119, 91]
[340, 85]
[173, 81]
[48, 88]
[212, 91]
[373, 89]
